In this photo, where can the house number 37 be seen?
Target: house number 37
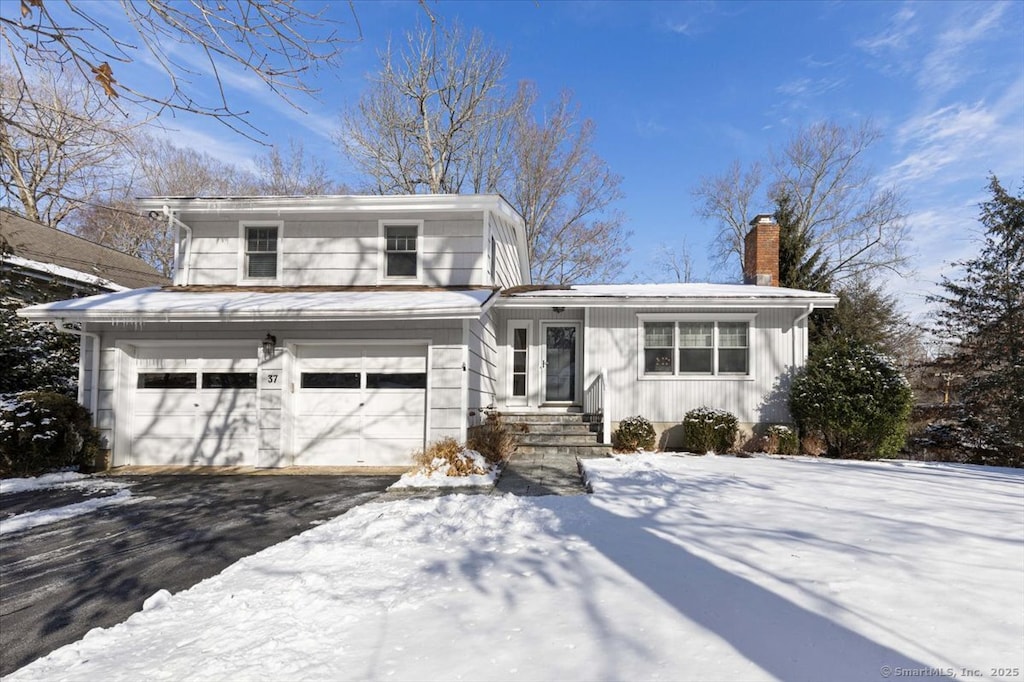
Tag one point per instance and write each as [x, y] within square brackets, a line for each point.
[272, 378]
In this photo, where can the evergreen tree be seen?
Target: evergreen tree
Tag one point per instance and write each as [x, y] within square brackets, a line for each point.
[983, 315]
[800, 267]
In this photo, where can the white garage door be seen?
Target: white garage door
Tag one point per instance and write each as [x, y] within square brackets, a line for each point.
[194, 406]
[359, 405]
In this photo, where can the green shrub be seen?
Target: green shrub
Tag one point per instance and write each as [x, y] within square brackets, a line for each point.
[634, 433]
[781, 440]
[41, 431]
[709, 430]
[494, 439]
[855, 399]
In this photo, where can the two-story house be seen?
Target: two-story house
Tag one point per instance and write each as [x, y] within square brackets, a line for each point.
[352, 330]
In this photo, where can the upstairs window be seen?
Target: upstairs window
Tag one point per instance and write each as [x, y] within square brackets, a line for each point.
[261, 251]
[687, 348]
[400, 255]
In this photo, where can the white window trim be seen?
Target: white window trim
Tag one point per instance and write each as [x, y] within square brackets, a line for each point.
[749, 318]
[243, 277]
[382, 245]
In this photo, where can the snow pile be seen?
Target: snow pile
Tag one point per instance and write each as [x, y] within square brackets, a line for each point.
[442, 473]
[711, 568]
[66, 480]
[43, 517]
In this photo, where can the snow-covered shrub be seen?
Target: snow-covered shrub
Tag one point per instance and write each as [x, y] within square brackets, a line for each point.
[634, 433]
[495, 439]
[781, 440]
[41, 431]
[855, 398]
[35, 357]
[706, 429]
[446, 457]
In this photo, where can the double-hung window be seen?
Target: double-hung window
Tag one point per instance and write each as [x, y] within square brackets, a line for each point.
[261, 252]
[690, 347]
[401, 258]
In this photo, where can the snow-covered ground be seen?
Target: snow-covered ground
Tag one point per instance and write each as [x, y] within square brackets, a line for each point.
[677, 568]
[64, 480]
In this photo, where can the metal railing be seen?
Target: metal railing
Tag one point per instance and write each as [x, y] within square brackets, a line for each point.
[595, 402]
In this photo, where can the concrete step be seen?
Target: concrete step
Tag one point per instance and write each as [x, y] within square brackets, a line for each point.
[566, 428]
[543, 417]
[558, 437]
[583, 451]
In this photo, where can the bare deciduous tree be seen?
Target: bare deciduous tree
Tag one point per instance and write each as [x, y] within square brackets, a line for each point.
[438, 119]
[676, 260]
[859, 226]
[167, 170]
[119, 225]
[279, 42]
[565, 193]
[59, 147]
[293, 172]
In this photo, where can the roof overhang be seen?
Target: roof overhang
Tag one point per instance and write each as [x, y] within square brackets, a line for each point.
[156, 305]
[420, 203]
[666, 296]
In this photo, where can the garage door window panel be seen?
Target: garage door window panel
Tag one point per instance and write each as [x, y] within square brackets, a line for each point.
[235, 380]
[393, 381]
[167, 380]
[330, 380]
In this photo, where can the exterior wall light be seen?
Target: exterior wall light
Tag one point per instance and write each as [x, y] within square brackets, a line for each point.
[269, 344]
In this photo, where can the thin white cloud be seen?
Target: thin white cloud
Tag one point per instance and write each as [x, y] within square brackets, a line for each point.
[961, 141]
[894, 37]
[945, 66]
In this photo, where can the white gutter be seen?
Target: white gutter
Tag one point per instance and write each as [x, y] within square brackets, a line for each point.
[171, 220]
[94, 386]
[803, 316]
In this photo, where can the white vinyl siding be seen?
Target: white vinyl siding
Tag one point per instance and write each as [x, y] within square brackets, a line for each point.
[507, 270]
[482, 348]
[613, 335]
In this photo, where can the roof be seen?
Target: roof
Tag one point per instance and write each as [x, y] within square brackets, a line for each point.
[283, 305]
[59, 272]
[78, 258]
[664, 295]
[336, 202]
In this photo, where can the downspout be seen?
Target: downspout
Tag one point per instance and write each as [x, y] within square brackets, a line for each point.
[178, 267]
[94, 386]
[797, 321]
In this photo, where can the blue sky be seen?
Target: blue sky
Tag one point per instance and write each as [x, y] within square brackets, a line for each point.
[679, 90]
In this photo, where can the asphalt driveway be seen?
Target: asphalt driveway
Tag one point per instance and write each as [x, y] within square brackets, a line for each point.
[59, 581]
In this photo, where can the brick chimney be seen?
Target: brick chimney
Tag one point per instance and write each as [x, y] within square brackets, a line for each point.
[761, 252]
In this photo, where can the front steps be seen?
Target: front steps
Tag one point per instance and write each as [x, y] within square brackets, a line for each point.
[557, 434]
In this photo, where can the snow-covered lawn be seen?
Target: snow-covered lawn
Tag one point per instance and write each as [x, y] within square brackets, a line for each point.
[64, 480]
[677, 568]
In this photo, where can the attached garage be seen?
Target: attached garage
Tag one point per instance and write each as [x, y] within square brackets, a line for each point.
[359, 405]
[194, 406]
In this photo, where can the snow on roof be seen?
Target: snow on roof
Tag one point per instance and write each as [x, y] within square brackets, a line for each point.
[165, 305]
[61, 271]
[681, 294]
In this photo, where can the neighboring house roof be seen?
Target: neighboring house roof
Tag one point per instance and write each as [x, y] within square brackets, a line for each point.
[688, 295]
[262, 305]
[71, 257]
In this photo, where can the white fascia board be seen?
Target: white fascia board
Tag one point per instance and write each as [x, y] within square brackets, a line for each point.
[247, 316]
[334, 203]
[661, 302]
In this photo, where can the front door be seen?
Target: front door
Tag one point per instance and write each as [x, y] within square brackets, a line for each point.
[561, 349]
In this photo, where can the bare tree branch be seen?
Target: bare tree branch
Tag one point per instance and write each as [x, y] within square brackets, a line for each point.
[437, 119]
[279, 42]
[858, 226]
[59, 146]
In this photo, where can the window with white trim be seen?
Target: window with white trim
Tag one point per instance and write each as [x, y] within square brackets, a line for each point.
[696, 348]
[400, 256]
[261, 251]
